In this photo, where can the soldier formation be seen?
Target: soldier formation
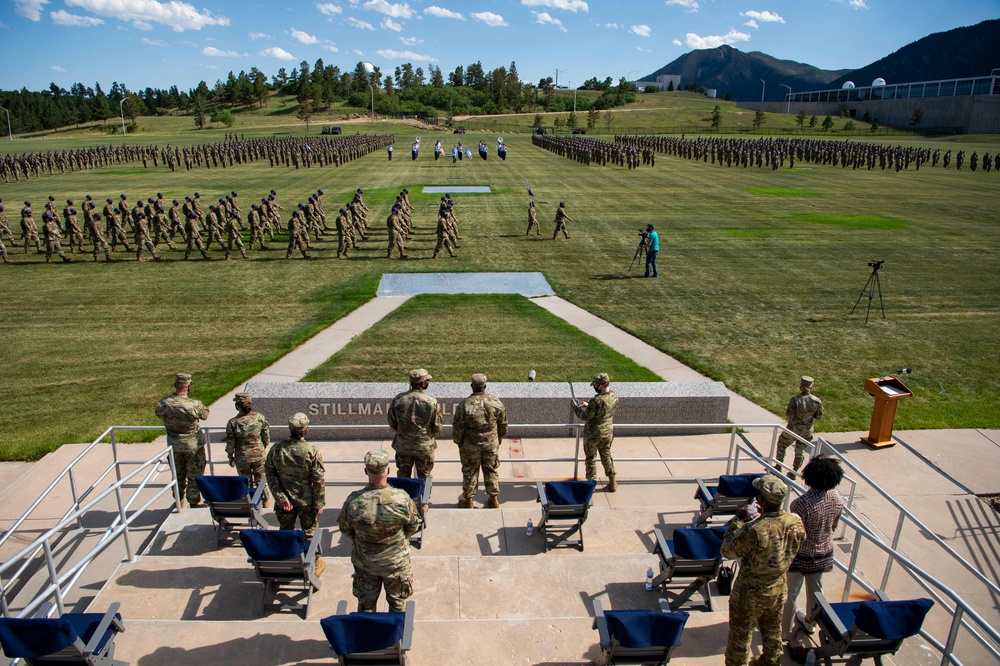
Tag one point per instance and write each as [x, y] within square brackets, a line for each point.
[596, 151]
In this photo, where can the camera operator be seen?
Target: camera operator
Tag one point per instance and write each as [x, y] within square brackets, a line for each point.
[652, 249]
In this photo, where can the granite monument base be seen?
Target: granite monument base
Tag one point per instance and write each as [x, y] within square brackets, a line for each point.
[534, 409]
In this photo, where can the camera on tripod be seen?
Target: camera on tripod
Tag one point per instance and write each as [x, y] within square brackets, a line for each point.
[643, 233]
[875, 265]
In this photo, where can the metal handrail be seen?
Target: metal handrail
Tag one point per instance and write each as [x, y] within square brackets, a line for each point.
[928, 582]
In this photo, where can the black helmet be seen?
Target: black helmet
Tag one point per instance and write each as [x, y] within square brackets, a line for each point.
[69, 201]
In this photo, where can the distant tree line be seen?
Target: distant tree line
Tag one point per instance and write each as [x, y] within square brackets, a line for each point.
[468, 90]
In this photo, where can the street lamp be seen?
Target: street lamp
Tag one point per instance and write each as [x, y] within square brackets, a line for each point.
[121, 110]
[9, 135]
[788, 107]
[557, 76]
[762, 86]
[370, 71]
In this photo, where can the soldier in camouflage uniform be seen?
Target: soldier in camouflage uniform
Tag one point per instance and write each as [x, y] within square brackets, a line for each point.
[379, 519]
[479, 426]
[247, 438]
[599, 434]
[415, 418]
[766, 547]
[181, 415]
[561, 219]
[51, 231]
[533, 220]
[802, 410]
[295, 475]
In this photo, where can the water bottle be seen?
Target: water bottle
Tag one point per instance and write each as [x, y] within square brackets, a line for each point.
[649, 579]
[531, 527]
[752, 510]
[811, 658]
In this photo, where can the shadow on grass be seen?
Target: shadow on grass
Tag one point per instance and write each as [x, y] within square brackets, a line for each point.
[615, 276]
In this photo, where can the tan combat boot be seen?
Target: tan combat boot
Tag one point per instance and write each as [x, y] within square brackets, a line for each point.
[612, 483]
[493, 502]
[464, 502]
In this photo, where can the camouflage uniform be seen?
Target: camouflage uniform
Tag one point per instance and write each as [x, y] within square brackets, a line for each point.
[444, 238]
[801, 411]
[182, 417]
[766, 548]
[247, 438]
[295, 473]
[415, 418]
[51, 231]
[479, 425]
[598, 433]
[561, 219]
[533, 220]
[379, 520]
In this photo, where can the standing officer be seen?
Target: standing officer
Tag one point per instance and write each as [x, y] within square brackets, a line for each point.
[652, 249]
[415, 418]
[802, 410]
[599, 432]
[379, 519]
[181, 415]
[478, 428]
[247, 438]
[532, 219]
[766, 547]
[561, 219]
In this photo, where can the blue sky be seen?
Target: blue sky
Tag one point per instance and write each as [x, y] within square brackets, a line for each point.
[160, 43]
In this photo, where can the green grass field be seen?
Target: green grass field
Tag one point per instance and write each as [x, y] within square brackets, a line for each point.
[759, 271]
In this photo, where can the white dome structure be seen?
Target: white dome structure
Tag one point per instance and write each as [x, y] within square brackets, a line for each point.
[878, 82]
[848, 85]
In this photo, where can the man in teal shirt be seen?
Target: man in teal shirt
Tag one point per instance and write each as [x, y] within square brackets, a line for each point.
[652, 249]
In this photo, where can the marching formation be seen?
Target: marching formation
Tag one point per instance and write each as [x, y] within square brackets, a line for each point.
[587, 151]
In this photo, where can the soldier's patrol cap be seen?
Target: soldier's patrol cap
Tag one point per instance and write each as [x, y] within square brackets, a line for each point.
[176, 201]
[193, 215]
[97, 216]
[376, 462]
[273, 192]
[562, 204]
[806, 381]
[320, 191]
[69, 201]
[222, 200]
[771, 488]
[159, 196]
[263, 199]
[27, 203]
[159, 208]
[183, 378]
[295, 213]
[187, 198]
[197, 196]
[600, 379]
[149, 199]
[419, 375]
[343, 210]
[71, 210]
[298, 422]
[406, 190]
[51, 198]
[1, 206]
[360, 190]
[124, 197]
[142, 215]
[242, 397]
[234, 193]
[479, 379]
[350, 205]
[89, 197]
[233, 213]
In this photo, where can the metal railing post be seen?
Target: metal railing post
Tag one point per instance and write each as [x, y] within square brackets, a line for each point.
[53, 576]
[852, 567]
[3, 599]
[173, 479]
[733, 452]
[76, 500]
[121, 514]
[576, 456]
[208, 449]
[895, 545]
[949, 646]
[114, 454]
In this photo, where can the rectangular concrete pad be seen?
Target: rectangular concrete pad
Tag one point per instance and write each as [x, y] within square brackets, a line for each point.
[413, 284]
[461, 189]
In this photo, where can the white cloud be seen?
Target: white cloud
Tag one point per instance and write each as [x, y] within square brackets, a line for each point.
[752, 24]
[677, 42]
[357, 51]
[58, 68]
[390, 54]
[30, 9]
[642, 30]
[399, 10]
[142, 25]
[63, 17]
[545, 19]
[763, 17]
[219, 53]
[858, 4]
[207, 66]
[303, 37]
[490, 19]
[360, 25]
[152, 42]
[254, 36]
[389, 24]
[178, 15]
[332, 48]
[692, 5]
[642, 50]
[568, 5]
[411, 41]
[275, 52]
[441, 12]
[610, 25]
[328, 8]
[713, 41]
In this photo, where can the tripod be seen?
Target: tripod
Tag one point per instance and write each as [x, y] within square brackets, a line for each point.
[873, 284]
[639, 251]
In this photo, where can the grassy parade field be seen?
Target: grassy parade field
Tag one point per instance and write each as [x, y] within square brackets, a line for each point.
[758, 273]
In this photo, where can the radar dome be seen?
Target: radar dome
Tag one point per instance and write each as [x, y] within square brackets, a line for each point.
[848, 84]
[878, 82]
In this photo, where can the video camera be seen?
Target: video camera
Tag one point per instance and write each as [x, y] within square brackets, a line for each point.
[643, 233]
[875, 265]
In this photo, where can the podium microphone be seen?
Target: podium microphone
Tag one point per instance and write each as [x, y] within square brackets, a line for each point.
[531, 376]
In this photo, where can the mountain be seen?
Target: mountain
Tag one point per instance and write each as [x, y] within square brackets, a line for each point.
[730, 70]
[968, 51]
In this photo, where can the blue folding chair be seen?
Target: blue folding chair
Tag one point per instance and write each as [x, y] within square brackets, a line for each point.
[284, 559]
[638, 636]
[72, 638]
[369, 638]
[694, 554]
[866, 629]
[719, 503]
[233, 504]
[419, 491]
[565, 505]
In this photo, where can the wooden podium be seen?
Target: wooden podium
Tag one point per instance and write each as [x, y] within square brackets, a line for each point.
[887, 391]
